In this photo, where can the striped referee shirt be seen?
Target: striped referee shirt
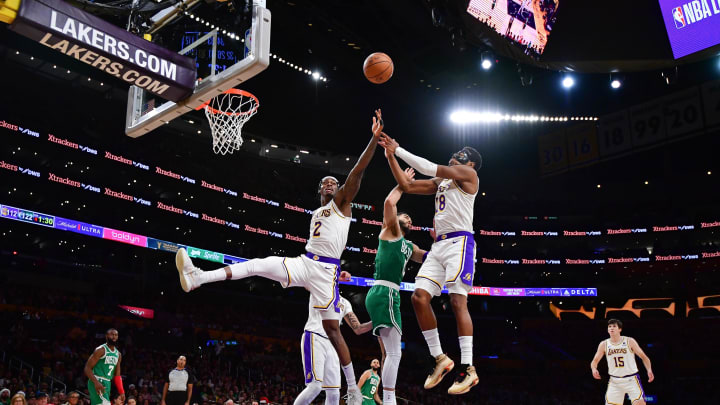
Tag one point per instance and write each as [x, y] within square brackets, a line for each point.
[178, 380]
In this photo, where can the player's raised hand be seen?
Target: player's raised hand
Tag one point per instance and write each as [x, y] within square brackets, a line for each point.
[388, 143]
[377, 125]
[345, 276]
[596, 374]
[410, 173]
[651, 376]
[432, 233]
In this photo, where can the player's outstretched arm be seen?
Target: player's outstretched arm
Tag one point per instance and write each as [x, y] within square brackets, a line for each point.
[409, 184]
[346, 194]
[91, 362]
[391, 226]
[426, 167]
[635, 347]
[598, 356]
[418, 255]
[357, 327]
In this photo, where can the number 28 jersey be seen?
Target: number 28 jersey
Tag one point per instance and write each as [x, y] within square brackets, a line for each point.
[620, 358]
[453, 208]
[328, 231]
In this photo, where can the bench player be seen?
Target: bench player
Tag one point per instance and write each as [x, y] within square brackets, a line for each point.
[318, 269]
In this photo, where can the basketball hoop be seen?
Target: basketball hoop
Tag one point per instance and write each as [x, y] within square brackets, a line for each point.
[227, 113]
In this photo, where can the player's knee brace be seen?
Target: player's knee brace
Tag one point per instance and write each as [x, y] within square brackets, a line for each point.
[332, 396]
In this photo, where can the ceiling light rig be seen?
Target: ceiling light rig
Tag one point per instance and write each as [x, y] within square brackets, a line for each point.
[476, 117]
[314, 74]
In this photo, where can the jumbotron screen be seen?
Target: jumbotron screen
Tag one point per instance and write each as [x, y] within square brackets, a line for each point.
[526, 23]
[691, 25]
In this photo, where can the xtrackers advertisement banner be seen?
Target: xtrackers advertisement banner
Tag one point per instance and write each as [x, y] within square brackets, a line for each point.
[104, 46]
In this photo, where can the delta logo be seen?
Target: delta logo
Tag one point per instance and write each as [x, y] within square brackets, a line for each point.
[694, 11]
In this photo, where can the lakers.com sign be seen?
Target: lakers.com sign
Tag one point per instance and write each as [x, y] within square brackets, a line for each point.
[106, 47]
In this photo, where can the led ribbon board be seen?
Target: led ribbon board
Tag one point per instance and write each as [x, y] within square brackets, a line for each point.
[37, 218]
[106, 47]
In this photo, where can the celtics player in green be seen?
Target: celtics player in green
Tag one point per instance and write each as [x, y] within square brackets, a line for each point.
[383, 299]
[369, 383]
[103, 366]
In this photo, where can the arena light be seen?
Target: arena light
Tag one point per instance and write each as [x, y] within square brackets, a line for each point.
[462, 117]
[486, 60]
[568, 82]
[316, 75]
[615, 84]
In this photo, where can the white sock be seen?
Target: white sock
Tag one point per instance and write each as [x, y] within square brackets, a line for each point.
[349, 375]
[388, 397]
[212, 276]
[466, 349]
[433, 341]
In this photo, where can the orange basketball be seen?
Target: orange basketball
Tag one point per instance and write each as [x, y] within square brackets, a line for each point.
[378, 68]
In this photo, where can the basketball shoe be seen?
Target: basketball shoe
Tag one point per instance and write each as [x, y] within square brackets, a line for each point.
[189, 274]
[442, 365]
[465, 379]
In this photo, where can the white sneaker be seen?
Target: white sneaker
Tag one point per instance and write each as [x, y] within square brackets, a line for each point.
[354, 396]
[187, 271]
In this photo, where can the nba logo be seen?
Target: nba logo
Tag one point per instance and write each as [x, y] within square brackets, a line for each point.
[678, 17]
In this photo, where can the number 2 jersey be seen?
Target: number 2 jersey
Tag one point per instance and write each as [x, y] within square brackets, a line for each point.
[328, 231]
[453, 208]
[620, 358]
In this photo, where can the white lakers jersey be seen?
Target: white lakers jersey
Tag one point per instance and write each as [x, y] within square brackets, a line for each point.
[328, 231]
[620, 358]
[314, 322]
[453, 208]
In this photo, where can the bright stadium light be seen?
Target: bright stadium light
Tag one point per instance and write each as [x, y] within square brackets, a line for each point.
[486, 64]
[468, 117]
[615, 84]
[316, 75]
[568, 82]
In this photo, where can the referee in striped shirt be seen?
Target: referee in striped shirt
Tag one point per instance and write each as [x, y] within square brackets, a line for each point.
[178, 388]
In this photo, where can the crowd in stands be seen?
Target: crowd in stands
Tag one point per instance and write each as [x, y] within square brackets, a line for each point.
[244, 355]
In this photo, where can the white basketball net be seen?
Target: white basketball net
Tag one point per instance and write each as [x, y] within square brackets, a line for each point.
[227, 113]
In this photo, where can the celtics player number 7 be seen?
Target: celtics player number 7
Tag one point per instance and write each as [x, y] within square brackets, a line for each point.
[102, 367]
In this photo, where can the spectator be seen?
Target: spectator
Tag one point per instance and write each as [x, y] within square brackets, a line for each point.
[41, 398]
[131, 401]
[5, 396]
[73, 398]
[19, 399]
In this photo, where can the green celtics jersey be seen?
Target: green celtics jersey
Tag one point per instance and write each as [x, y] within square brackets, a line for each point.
[105, 367]
[391, 259]
[370, 388]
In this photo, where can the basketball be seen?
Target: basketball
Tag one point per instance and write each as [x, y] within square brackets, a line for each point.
[378, 68]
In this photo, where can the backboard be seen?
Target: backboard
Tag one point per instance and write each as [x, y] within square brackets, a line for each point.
[146, 112]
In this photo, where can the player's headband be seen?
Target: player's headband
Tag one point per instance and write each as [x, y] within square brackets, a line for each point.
[327, 178]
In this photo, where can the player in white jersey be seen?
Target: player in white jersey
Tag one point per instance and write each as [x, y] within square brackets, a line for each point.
[620, 352]
[318, 270]
[321, 364]
[451, 260]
